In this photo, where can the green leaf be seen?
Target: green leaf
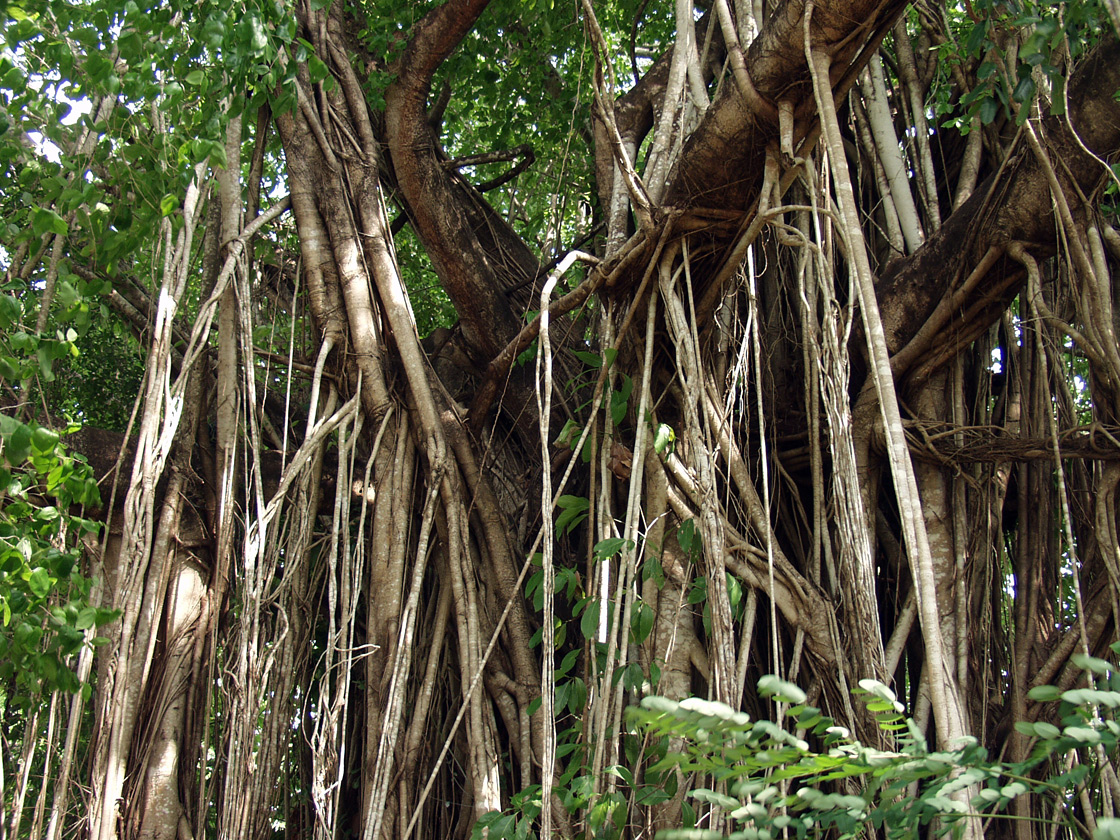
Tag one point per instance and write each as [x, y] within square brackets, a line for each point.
[1083, 734]
[46, 362]
[317, 69]
[884, 693]
[663, 438]
[46, 221]
[67, 295]
[687, 537]
[1092, 663]
[632, 676]
[715, 798]
[1058, 98]
[1024, 90]
[591, 360]
[1044, 693]
[589, 622]
[1089, 697]
[1108, 828]
[569, 434]
[976, 37]
[567, 664]
[648, 795]
[17, 441]
[258, 38]
[988, 795]
[47, 513]
[9, 369]
[27, 635]
[734, 593]
[989, 109]
[620, 771]
[620, 400]
[688, 817]
[43, 440]
[560, 699]
[573, 510]
[577, 696]
[609, 547]
[39, 583]
[10, 311]
[641, 622]
[712, 709]
[780, 690]
[1046, 731]
[698, 593]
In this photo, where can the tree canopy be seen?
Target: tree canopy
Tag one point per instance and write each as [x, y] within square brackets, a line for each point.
[392, 394]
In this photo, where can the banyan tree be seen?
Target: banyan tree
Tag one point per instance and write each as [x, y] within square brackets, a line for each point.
[457, 374]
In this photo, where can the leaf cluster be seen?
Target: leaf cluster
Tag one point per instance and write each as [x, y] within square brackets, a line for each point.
[46, 614]
[1023, 49]
[808, 778]
[803, 776]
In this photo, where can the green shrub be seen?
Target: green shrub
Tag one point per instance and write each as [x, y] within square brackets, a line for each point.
[807, 778]
[45, 611]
